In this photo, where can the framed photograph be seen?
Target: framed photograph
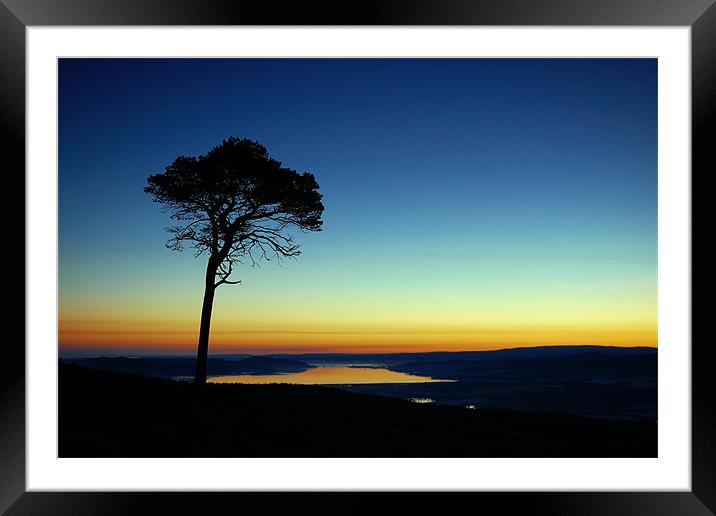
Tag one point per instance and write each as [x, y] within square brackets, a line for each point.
[417, 248]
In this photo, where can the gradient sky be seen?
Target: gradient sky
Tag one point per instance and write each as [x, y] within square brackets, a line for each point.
[470, 203]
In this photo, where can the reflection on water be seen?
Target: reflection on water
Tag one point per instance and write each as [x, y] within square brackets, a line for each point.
[329, 376]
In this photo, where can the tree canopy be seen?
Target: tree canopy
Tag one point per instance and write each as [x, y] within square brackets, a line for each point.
[236, 202]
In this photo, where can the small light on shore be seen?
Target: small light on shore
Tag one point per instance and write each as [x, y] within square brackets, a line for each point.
[421, 400]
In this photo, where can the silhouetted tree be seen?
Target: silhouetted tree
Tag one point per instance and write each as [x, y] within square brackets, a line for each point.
[234, 203]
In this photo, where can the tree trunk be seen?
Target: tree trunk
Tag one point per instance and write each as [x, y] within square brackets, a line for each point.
[202, 353]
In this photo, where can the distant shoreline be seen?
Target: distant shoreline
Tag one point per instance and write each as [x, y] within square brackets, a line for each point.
[69, 352]
[600, 381]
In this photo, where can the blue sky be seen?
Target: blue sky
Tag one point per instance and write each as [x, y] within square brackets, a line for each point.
[462, 181]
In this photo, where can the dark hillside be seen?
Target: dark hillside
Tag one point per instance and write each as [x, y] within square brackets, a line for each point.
[585, 367]
[103, 414]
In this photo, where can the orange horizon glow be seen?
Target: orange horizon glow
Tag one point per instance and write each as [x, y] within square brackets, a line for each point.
[165, 337]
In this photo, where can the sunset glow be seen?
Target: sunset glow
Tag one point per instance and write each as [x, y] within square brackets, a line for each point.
[470, 204]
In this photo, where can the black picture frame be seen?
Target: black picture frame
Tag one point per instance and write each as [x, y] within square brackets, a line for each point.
[700, 15]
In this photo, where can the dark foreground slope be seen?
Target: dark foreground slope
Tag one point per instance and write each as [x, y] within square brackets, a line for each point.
[106, 414]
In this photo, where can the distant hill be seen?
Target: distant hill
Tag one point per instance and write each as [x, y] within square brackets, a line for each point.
[401, 358]
[617, 383]
[173, 367]
[270, 365]
[103, 414]
[544, 365]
